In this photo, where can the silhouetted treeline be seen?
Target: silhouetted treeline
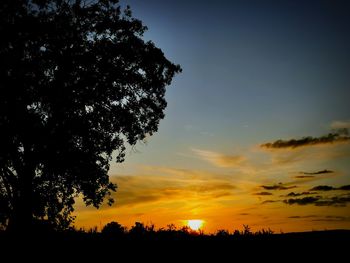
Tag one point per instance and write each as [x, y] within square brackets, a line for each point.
[140, 232]
[171, 232]
[173, 244]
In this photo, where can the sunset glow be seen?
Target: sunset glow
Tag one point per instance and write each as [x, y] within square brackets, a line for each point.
[195, 224]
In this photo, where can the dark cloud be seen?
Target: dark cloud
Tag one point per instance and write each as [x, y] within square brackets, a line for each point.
[322, 188]
[330, 188]
[334, 201]
[304, 176]
[302, 201]
[318, 172]
[297, 217]
[320, 201]
[299, 194]
[335, 137]
[277, 187]
[263, 193]
[244, 214]
[344, 188]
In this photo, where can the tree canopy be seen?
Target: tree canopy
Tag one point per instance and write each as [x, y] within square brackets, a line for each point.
[77, 83]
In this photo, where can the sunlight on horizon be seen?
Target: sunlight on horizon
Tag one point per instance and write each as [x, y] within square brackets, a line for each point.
[195, 224]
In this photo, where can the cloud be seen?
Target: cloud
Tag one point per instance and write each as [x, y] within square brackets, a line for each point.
[219, 159]
[214, 186]
[269, 201]
[344, 187]
[339, 136]
[318, 172]
[168, 185]
[322, 188]
[308, 175]
[302, 201]
[303, 179]
[291, 156]
[340, 200]
[299, 194]
[337, 201]
[263, 193]
[279, 186]
[330, 188]
[307, 216]
[340, 124]
[333, 219]
[334, 201]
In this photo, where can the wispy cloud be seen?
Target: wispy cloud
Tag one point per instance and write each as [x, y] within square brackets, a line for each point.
[307, 179]
[277, 187]
[318, 172]
[298, 217]
[340, 136]
[304, 176]
[340, 124]
[269, 201]
[329, 218]
[330, 188]
[302, 201]
[219, 159]
[333, 219]
[263, 193]
[299, 194]
[164, 185]
[334, 201]
[308, 175]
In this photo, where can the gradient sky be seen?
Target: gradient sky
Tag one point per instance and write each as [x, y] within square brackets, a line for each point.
[253, 72]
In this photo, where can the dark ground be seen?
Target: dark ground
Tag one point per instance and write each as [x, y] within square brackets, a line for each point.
[332, 246]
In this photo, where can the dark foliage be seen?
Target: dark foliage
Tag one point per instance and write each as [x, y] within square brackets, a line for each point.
[113, 229]
[77, 82]
[150, 244]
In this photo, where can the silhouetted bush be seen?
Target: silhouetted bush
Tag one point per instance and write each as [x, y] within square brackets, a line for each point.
[113, 228]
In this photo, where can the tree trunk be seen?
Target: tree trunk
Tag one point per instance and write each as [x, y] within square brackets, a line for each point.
[21, 220]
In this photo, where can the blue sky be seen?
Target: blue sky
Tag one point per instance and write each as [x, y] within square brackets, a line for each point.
[252, 70]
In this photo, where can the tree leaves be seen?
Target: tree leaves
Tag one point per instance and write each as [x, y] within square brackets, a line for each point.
[77, 83]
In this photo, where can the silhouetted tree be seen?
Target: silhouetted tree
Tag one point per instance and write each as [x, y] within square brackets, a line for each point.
[246, 231]
[77, 82]
[222, 233]
[138, 230]
[113, 229]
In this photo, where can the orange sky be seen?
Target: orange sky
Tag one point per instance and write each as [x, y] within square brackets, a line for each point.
[230, 191]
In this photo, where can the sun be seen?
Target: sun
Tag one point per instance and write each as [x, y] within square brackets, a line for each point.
[195, 224]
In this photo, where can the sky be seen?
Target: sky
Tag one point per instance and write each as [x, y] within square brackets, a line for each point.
[254, 72]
